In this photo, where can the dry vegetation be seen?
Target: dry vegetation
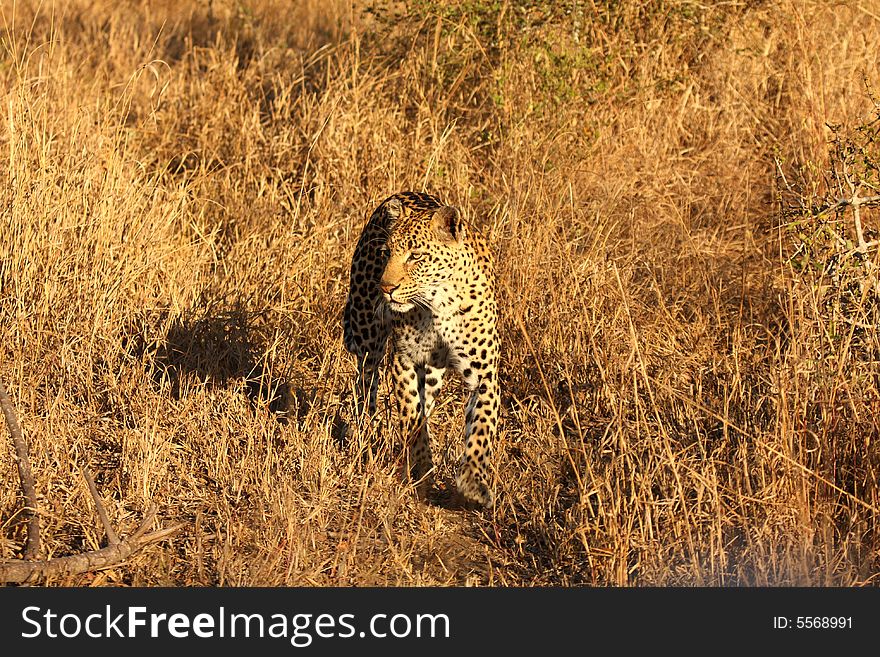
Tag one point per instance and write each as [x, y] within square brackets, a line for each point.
[691, 357]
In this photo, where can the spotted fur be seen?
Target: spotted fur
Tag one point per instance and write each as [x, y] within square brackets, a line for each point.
[423, 279]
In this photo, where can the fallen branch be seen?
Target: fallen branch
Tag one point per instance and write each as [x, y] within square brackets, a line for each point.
[20, 572]
[30, 569]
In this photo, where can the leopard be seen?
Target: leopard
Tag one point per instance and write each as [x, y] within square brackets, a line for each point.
[422, 288]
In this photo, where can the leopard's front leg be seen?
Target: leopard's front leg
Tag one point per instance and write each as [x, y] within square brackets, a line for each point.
[408, 380]
[479, 368]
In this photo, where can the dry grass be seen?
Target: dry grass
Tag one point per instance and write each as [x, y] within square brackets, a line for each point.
[182, 187]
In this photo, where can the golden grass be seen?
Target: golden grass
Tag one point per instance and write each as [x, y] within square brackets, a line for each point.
[183, 185]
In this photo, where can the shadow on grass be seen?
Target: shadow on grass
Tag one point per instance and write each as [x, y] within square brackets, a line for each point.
[219, 350]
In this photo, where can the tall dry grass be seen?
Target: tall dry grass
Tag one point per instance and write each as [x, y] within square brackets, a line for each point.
[183, 185]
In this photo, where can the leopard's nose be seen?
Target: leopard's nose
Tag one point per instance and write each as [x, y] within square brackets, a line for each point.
[387, 288]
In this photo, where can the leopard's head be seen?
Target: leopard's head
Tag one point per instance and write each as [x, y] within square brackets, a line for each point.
[421, 253]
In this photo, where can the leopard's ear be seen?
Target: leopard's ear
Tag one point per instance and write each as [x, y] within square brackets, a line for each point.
[393, 207]
[448, 224]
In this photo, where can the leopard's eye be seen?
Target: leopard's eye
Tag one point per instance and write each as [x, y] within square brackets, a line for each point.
[415, 256]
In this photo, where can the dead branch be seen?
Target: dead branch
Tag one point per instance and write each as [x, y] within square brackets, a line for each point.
[99, 505]
[30, 569]
[21, 572]
[25, 475]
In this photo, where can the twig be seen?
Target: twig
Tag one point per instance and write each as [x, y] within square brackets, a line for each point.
[25, 475]
[855, 202]
[99, 505]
